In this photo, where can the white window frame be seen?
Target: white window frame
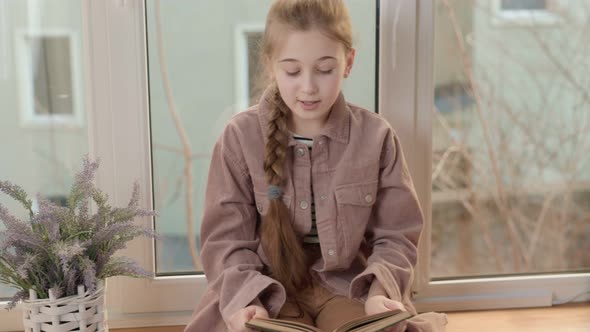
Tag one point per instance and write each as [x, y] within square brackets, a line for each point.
[115, 49]
[119, 129]
[533, 17]
[242, 84]
[28, 117]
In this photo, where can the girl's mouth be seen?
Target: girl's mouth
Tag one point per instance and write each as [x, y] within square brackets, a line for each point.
[309, 105]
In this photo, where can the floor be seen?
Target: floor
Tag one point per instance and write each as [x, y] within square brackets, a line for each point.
[567, 318]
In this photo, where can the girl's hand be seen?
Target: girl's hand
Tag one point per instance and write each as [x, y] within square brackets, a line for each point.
[379, 303]
[237, 322]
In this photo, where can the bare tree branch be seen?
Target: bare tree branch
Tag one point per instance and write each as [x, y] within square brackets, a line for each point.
[186, 147]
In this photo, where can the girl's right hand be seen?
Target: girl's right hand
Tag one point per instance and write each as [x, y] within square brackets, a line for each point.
[379, 303]
[237, 322]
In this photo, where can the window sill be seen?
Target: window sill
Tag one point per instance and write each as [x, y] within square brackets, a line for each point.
[570, 317]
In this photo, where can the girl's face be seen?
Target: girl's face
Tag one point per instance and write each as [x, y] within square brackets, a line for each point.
[309, 68]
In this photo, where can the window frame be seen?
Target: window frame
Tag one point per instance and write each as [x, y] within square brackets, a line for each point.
[118, 128]
[123, 90]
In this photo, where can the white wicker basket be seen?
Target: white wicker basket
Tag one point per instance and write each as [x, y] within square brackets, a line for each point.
[83, 312]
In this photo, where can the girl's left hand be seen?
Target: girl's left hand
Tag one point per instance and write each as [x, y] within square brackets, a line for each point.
[379, 303]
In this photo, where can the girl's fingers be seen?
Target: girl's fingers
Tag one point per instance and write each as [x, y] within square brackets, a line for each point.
[249, 313]
[394, 305]
[260, 312]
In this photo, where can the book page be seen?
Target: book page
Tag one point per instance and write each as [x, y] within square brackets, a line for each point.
[278, 325]
[375, 322]
[372, 323]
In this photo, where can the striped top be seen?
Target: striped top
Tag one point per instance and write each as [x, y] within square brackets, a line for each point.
[312, 236]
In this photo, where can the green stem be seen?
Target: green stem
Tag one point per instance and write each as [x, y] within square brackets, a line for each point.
[77, 234]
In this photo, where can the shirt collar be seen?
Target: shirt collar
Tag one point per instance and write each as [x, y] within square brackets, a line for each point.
[337, 126]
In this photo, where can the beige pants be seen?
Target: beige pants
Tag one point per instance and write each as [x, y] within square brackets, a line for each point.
[317, 306]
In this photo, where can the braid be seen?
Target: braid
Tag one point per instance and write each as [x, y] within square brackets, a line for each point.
[287, 260]
[274, 158]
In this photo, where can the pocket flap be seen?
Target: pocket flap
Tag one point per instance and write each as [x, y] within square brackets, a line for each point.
[363, 194]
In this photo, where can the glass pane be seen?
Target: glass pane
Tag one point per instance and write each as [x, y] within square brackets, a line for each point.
[41, 91]
[511, 143]
[211, 61]
[53, 76]
[524, 4]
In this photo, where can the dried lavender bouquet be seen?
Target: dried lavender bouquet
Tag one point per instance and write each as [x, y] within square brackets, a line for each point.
[61, 247]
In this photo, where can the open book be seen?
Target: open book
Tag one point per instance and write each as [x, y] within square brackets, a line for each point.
[372, 323]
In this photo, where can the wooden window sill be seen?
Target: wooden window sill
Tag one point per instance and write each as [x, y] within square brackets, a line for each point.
[571, 317]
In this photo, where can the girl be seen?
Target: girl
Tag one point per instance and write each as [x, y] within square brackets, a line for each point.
[310, 212]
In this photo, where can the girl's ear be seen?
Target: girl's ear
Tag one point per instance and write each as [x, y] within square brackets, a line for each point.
[349, 62]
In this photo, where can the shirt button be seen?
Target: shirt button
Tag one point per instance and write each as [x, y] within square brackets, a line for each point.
[303, 205]
[369, 198]
[331, 252]
[321, 142]
[323, 197]
[300, 152]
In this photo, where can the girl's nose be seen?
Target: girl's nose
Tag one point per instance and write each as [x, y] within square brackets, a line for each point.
[309, 86]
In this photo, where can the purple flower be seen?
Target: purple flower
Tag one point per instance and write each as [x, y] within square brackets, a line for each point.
[63, 247]
[88, 269]
[84, 181]
[72, 282]
[49, 216]
[19, 296]
[57, 291]
[17, 193]
[28, 264]
[67, 252]
[17, 233]
[134, 201]
[124, 266]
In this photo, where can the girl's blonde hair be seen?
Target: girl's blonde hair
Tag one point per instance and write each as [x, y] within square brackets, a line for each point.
[287, 260]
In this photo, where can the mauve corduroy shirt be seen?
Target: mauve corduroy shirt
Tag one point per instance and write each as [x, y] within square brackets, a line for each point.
[362, 191]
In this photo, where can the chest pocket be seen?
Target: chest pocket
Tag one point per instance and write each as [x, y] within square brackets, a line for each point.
[354, 206]
[361, 194]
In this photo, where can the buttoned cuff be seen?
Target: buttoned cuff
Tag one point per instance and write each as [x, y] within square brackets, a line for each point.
[375, 272]
[269, 292]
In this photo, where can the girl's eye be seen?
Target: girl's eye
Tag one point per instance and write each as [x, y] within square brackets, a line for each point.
[293, 73]
[325, 71]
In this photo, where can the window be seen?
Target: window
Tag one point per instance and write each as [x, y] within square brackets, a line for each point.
[248, 71]
[49, 76]
[133, 131]
[524, 12]
[517, 5]
[43, 145]
[255, 70]
[509, 195]
[192, 82]
[170, 131]
[507, 206]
